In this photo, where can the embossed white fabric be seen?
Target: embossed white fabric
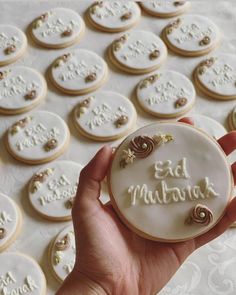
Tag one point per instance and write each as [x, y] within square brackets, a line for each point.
[211, 270]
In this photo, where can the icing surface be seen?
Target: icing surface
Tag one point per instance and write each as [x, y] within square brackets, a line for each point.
[100, 118]
[10, 35]
[57, 22]
[160, 92]
[63, 261]
[135, 51]
[115, 14]
[155, 193]
[31, 141]
[220, 77]
[20, 274]
[17, 84]
[192, 29]
[52, 195]
[71, 75]
[165, 6]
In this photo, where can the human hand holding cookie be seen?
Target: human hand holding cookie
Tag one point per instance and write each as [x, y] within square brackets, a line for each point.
[112, 259]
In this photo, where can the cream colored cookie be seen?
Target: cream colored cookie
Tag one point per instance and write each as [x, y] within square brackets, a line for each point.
[57, 28]
[191, 35]
[20, 274]
[38, 138]
[166, 94]
[10, 222]
[105, 116]
[79, 72]
[53, 188]
[62, 253]
[21, 89]
[165, 182]
[165, 8]
[138, 52]
[13, 44]
[114, 16]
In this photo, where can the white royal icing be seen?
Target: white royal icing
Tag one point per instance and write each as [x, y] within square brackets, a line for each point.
[191, 31]
[63, 261]
[135, 51]
[9, 218]
[50, 197]
[28, 143]
[71, 74]
[20, 274]
[109, 14]
[156, 194]
[18, 82]
[10, 35]
[161, 96]
[99, 119]
[59, 20]
[220, 77]
[165, 6]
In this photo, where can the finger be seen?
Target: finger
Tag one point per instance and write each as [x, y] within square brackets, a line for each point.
[234, 171]
[227, 220]
[228, 142]
[186, 120]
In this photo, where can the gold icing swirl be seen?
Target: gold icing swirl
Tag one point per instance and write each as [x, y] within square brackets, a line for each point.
[3, 233]
[142, 146]
[64, 243]
[205, 41]
[200, 214]
[122, 120]
[126, 16]
[174, 25]
[51, 144]
[10, 49]
[181, 102]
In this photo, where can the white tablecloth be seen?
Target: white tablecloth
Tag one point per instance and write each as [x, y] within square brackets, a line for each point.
[211, 270]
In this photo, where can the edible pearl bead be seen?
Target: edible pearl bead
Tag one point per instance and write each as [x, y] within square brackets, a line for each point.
[144, 146]
[202, 214]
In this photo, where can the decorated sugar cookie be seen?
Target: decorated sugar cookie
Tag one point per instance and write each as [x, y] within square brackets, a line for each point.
[57, 28]
[114, 16]
[166, 184]
[138, 52]
[232, 119]
[53, 188]
[105, 116]
[191, 35]
[38, 138]
[166, 94]
[13, 44]
[10, 222]
[20, 274]
[62, 253]
[21, 89]
[216, 76]
[79, 72]
[165, 8]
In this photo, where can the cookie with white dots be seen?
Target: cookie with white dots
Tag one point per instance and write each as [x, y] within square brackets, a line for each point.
[21, 89]
[191, 35]
[57, 28]
[38, 138]
[166, 94]
[13, 43]
[114, 16]
[53, 188]
[10, 221]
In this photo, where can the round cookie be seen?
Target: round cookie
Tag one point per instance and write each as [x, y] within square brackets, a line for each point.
[79, 72]
[165, 8]
[20, 274]
[10, 222]
[105, 116]
[53, 188]
[216, 76]
[191, 35]
[62, 253]
[57, 28]
[166, 94]
[13, 44]
[38, 138]
[114, 16]
[232, 120]
[21, 89]
[209, 125]
[165, 182]
[138, 52]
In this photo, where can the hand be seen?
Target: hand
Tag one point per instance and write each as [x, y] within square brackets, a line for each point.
[111, 259]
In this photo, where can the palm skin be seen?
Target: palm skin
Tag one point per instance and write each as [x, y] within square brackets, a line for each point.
[113, 260]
